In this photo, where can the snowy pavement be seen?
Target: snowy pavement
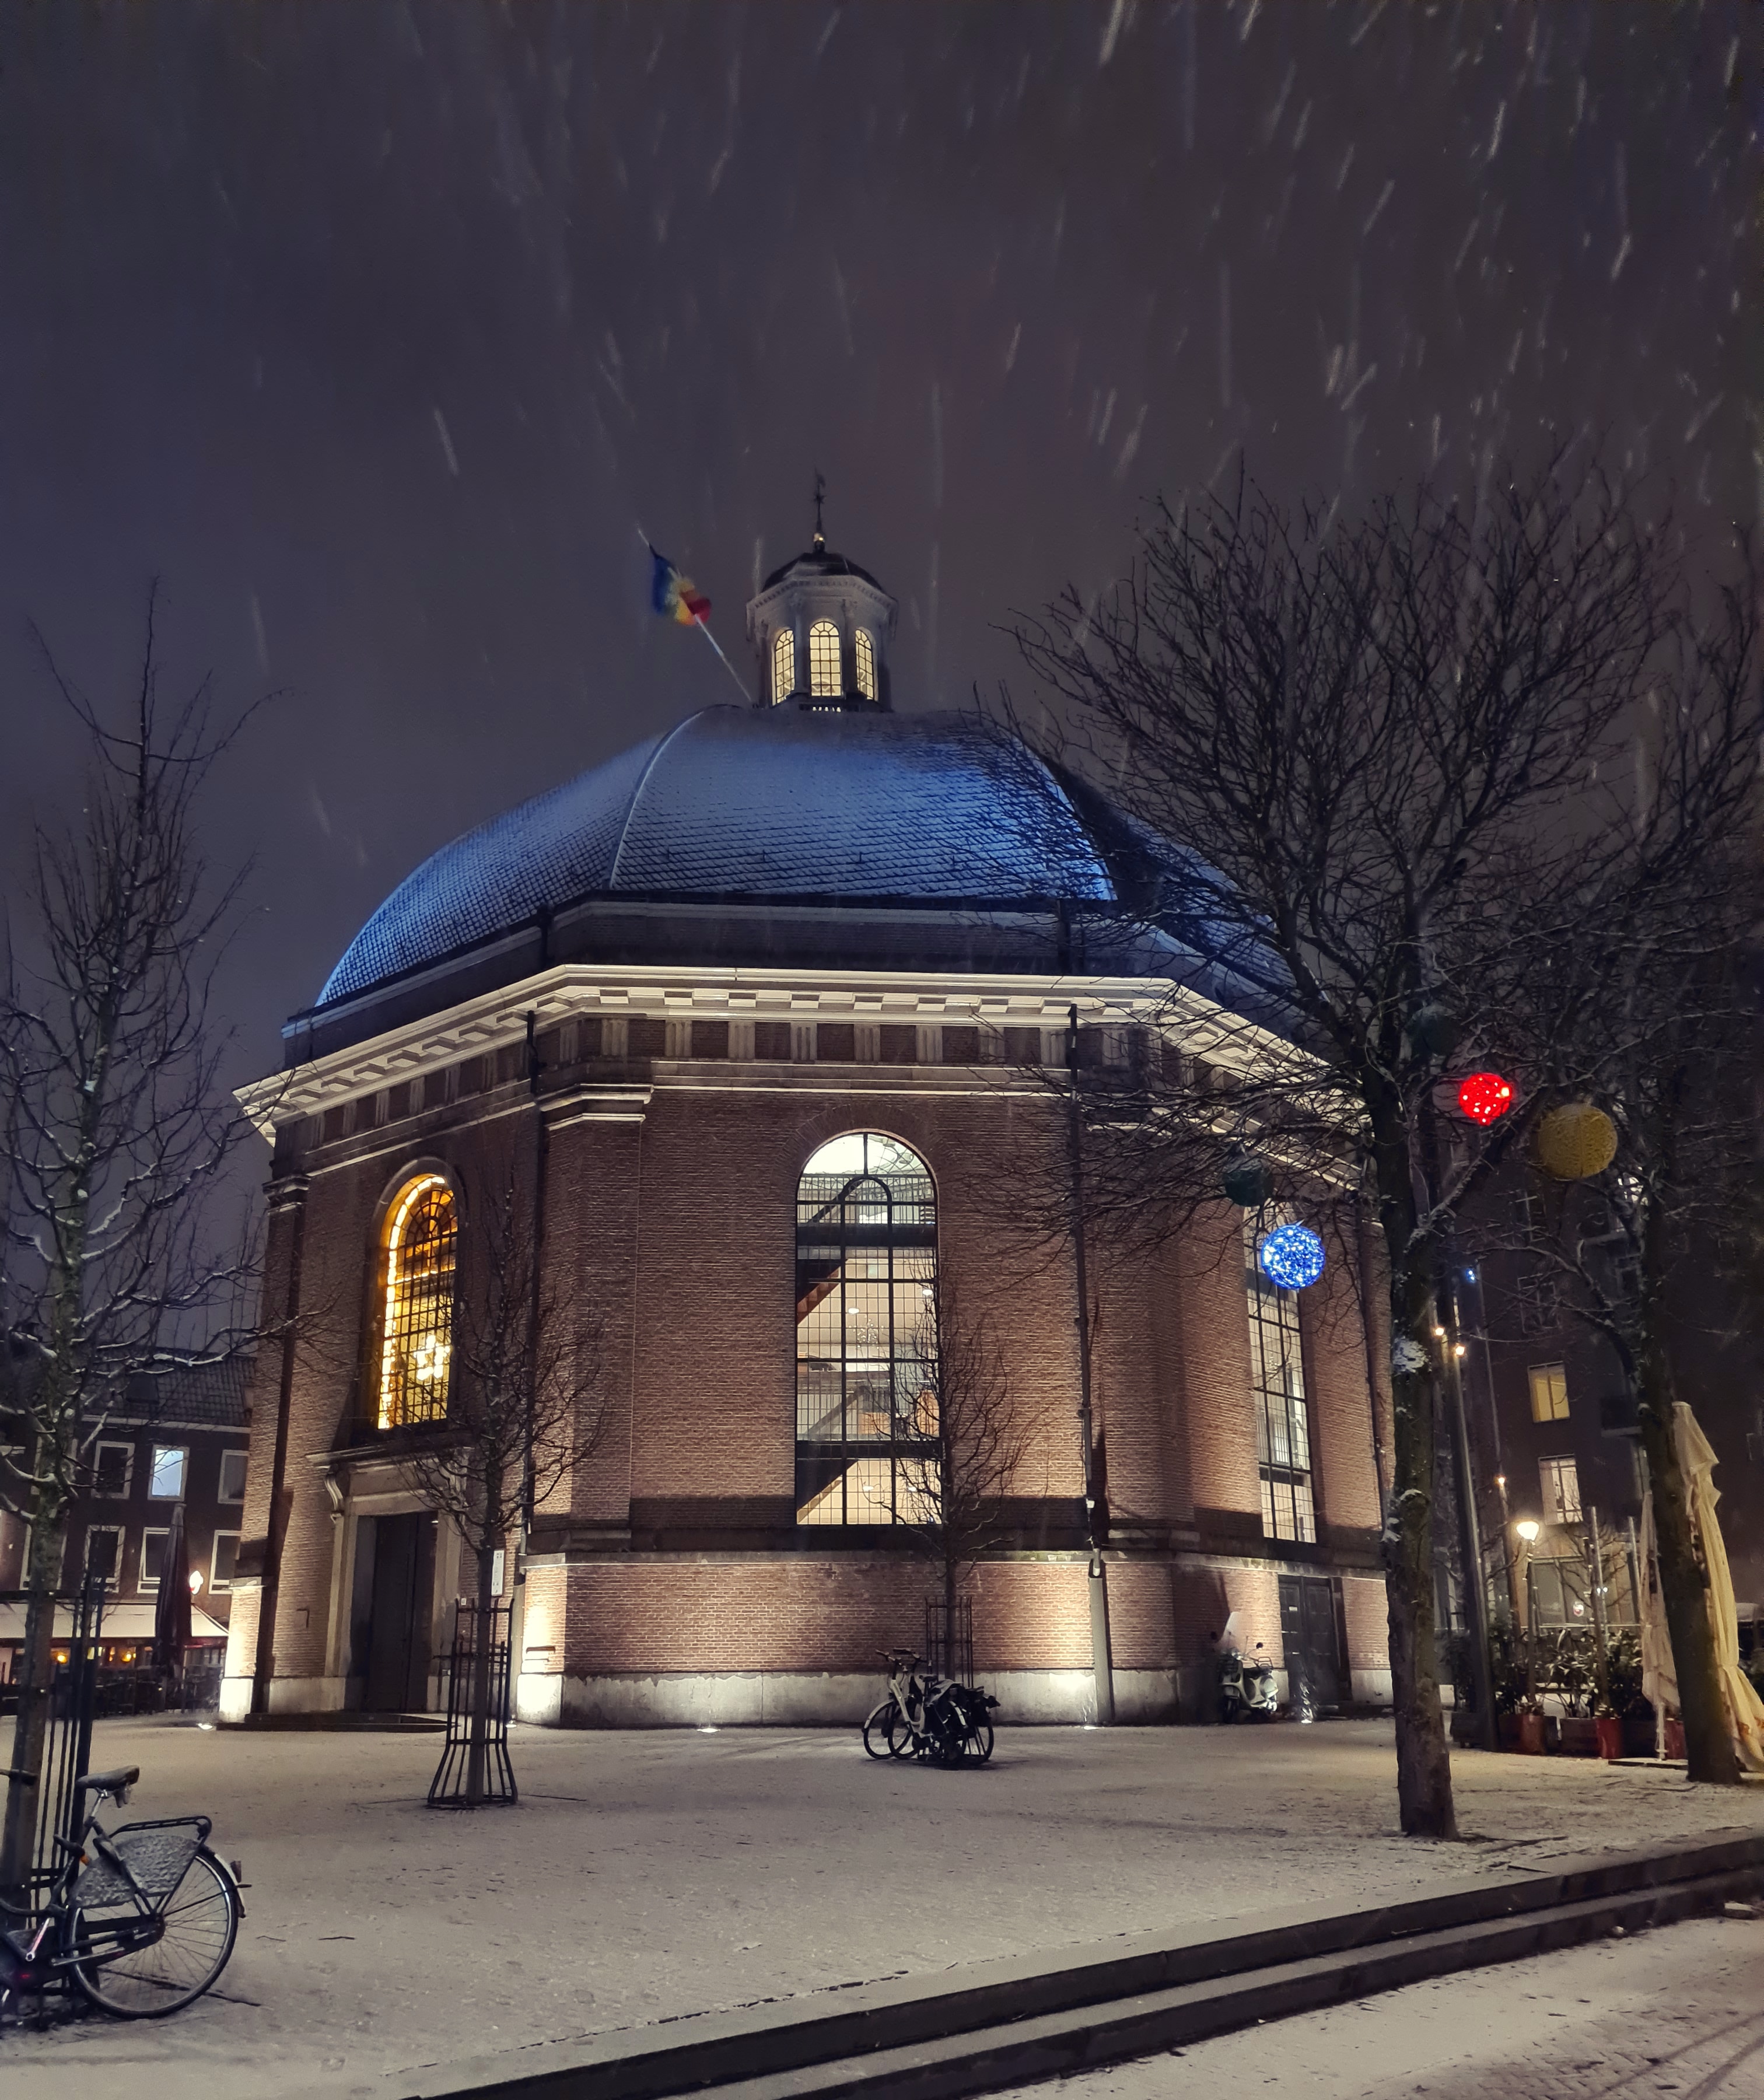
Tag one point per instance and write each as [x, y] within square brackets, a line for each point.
[1678, 2011]
[646, 1875]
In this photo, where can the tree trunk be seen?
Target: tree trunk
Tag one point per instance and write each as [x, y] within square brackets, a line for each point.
[1424, 1762]
[478, 1755]
[1684, 1585]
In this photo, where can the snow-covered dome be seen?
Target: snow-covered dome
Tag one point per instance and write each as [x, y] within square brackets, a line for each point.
[818, 804]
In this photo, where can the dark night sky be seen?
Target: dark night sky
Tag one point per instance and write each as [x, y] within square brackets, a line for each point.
[373, 330]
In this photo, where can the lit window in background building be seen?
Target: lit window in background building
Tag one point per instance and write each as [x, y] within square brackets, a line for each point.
[417, 1345]
[783, 664]
[824, 680]
[165, 1480]
[1561, 1488]
[1276, 1385]
[1549, 1393]
[864, 652]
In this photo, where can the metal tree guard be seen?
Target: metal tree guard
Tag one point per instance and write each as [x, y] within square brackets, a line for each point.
[447, 1789]
[68, 1743]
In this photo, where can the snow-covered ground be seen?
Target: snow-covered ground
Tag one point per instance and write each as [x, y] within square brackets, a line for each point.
[646, 1875]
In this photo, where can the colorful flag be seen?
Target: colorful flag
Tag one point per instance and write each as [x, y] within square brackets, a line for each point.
[677, 597]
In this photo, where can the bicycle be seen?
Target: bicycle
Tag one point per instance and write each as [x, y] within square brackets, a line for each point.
[927, 1716]
[143, 1918]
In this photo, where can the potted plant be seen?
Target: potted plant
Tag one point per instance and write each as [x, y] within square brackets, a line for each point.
[1622, 1693]
[1507, 1669]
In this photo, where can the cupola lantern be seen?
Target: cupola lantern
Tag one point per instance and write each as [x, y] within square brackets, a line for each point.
[820, 628]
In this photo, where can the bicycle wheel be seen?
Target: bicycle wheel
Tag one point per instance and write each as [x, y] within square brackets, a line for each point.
[979, 1744]
[142, 1968]
[879, 1730]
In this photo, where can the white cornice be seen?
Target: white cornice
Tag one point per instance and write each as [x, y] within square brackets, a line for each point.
[570, 991]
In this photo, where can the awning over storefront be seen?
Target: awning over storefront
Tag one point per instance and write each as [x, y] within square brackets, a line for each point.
[121, 1622]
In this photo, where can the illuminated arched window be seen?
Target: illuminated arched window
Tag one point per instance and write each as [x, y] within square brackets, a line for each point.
[866, 1265]
[416, 1324]
[865, 654]
[824, 680]
[783, 664]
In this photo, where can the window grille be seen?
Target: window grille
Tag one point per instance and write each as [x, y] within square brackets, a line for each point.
[783, 664]
[1561, 1487]
[824, 679]
[103, 1553]
[152, 1557]
[1282, 1421]
[864, 649]
[866, 1239]
[416, 1344]
[1540, 1303]
[113, 1465]
[1549, 1393]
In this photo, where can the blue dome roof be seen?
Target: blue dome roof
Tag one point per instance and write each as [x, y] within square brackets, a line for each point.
[782, 802]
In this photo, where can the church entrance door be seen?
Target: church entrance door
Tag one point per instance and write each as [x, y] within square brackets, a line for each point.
[399, 1619]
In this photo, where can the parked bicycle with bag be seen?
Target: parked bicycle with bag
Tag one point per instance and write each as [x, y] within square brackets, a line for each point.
[928, 1716]
[142, 1919]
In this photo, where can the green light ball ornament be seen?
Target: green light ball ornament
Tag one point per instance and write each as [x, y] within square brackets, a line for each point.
[1291, 1256]
[1247, 1182]
[1575, 1142]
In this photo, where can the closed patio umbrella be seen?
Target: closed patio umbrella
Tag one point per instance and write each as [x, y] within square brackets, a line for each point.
[1745, 1709]
[171, 1613]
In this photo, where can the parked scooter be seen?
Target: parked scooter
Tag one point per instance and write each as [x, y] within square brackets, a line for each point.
[1245, 1684]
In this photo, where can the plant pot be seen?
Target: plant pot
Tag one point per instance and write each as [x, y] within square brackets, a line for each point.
[1580, 1736]
[1531, 1735]
[1610, 1731]
[1674, 1737]
[1639, 1733]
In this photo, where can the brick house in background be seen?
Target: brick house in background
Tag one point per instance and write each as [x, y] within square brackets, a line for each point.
[1555, 1435]
[182, 1438]
[756, 1019]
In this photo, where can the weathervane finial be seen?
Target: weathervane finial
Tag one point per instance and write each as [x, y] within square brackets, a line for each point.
[820, 496]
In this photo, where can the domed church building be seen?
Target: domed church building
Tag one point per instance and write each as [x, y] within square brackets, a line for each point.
[766, 1019]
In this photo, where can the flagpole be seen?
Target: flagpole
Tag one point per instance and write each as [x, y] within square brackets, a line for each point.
[700, 625]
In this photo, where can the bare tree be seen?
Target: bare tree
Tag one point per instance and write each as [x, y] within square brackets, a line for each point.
[1394, 750]
[967, 1441]
[525, 1409]
[1667, 1036]
[115, 1130]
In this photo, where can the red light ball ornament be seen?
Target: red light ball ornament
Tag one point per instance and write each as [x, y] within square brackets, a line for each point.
[1486, 1096]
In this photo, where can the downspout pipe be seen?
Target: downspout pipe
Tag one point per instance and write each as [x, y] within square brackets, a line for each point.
[1102, 1661]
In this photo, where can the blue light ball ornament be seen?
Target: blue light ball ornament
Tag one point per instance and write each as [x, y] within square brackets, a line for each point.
[1291, 1256]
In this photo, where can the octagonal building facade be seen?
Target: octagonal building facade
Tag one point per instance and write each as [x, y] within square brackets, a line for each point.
[758, 1032]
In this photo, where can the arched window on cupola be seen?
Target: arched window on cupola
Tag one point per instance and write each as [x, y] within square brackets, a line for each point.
[824, 679]
[783, 664]
[418, 1254]
[866, 657]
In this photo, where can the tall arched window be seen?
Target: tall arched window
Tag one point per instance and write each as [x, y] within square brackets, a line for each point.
[866, 1255]
[865, 651]
[783, 664]
[824, 679]
[417, 1321]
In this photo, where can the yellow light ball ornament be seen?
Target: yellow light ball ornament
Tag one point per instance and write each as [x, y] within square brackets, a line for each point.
[1575, 1142]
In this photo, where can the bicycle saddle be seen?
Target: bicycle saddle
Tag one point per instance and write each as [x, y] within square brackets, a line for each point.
[110, 1782]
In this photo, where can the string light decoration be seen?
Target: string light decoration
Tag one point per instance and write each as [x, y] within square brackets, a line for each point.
[1576, 1141]
[1291, 1256]
[1485, 1097]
